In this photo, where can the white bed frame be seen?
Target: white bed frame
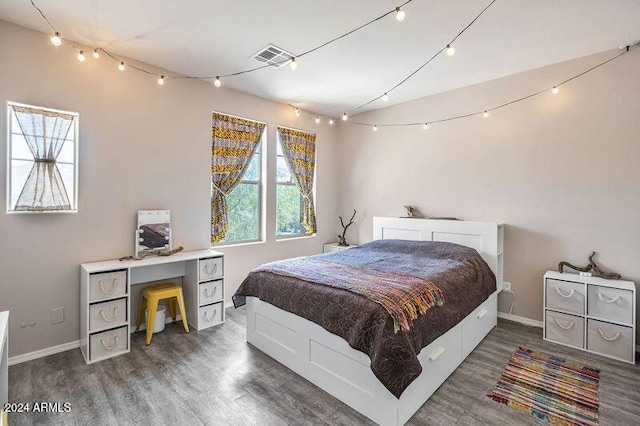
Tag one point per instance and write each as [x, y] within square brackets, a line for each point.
[330, 363]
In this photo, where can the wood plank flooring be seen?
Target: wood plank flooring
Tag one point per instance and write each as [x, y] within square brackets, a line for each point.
[214, 377]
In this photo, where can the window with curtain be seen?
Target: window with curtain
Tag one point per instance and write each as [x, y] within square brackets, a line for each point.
[236, 179]
[43, 156]
[295, 206]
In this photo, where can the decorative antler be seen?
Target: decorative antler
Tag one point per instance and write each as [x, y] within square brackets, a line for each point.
[342, 240]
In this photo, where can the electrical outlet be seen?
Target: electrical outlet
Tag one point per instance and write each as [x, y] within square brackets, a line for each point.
[506, 286]
[57, 315]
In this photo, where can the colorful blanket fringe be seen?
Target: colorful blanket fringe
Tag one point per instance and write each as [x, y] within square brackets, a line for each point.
[552, 389]
[404, 297]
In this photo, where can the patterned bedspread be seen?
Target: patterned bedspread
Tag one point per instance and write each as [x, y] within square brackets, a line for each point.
[458, 271]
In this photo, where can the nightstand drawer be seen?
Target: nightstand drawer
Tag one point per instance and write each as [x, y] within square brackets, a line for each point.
[107, 314]
[211, 315]
[210, 268]
[107, 285]
[210, 292]
[610, 304]
[610, 339]
[564, 328]
[102, 345]
[565, 296]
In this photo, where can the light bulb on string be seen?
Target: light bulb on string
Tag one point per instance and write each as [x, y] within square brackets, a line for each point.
[555, 90]
[375, 127]
[317, 120]
[293, 64]
[217, 82]
[297, 112]
[161, 80]
[400, 15]
[450, 50]
[485, 114]
[385, 97]
[425, 126]
[345, 117]
[96, 54]
[331, 121]
[121, 66]
[81, 56]
[56, 40]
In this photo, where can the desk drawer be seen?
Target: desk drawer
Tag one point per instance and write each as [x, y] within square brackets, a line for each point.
[564, 328]
[610, 339]
[210, 292]
[611, 304]
[210, 315]
[107, 314]
[107, 343]
[565, 296]
[210, 268]
[107, 285]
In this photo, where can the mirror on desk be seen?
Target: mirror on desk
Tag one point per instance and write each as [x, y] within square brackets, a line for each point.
[154, 231]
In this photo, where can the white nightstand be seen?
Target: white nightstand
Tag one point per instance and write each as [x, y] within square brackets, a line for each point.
[592, 314]
[334, 247]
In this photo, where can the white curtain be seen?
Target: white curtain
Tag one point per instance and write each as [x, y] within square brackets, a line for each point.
[45, 133]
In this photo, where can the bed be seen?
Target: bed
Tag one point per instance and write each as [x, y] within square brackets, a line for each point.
[388, 387]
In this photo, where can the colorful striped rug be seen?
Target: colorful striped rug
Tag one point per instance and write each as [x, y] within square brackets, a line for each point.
[550, 388]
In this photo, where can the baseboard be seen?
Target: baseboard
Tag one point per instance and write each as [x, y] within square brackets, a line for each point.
[522, 320]
[30, 356]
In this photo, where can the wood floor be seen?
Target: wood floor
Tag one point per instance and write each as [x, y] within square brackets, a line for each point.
[214, 378]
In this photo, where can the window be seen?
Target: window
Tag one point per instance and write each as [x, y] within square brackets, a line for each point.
[43, 154]
[236, 179]
[290, 202]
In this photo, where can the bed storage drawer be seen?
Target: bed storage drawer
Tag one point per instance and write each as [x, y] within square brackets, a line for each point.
[108, 343]
[210, 315]
[610, 339]
[565, 329]
[107, 285]
[107, 314]
[565, 296]
[611, 304]
[210, 269]
[210, 292]
[478, 324]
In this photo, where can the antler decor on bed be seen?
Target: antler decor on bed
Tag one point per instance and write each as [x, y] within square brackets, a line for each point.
[592, 266]
[342, 239]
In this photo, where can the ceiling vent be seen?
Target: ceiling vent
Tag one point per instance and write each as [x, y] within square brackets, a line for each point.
[273, 56]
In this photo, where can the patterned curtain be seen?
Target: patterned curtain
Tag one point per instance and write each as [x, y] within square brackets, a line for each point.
[299, 149]
[234, 142]
[45, 133]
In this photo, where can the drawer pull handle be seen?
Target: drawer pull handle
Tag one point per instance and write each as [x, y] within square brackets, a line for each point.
[107, 347]
[607, 338]
[564, 295]
[113, 286]
[482, 313]
[436, 354]
[210, 296]
[562, 326]
[209, 270]
[206, 315]
[115, 314]
[603, 298]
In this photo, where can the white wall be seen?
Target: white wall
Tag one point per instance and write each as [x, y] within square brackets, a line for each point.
[560, 171]
[142, 146]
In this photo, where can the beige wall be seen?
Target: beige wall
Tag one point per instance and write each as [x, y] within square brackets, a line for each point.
[141, 147]
[560, 171]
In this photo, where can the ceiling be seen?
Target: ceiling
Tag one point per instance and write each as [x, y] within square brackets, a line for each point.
[205, 37]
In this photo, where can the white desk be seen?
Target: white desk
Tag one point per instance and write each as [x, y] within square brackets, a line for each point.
[105, 297]
[4, 365]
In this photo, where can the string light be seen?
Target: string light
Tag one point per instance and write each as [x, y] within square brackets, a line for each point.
[297, 112]
[161, 80]
[425, 126]
[385, 97]
[56, 40]
[317, 120]
[331, 121]
[96, 54]
[217, 82]
[450, 50]
[375, 127]
[293, 64]
[400, 15]
[345, 117]
[485, 114]
[555, 90]
[121, 66]
[81, 56]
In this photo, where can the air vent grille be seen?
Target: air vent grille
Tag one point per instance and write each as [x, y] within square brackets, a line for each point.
[273, 56]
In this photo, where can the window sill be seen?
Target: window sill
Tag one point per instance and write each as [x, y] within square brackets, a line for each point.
[12, 212]
[241, 244]
[295, 237]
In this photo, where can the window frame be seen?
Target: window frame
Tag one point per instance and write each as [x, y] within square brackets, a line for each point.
[291, 183]
[10, 133]
[262, 146]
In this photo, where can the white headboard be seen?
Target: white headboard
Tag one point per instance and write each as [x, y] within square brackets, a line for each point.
[485, 237]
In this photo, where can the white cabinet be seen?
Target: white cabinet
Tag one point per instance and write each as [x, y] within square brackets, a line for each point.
[205, 302]
[590, 313]
[334, 247]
